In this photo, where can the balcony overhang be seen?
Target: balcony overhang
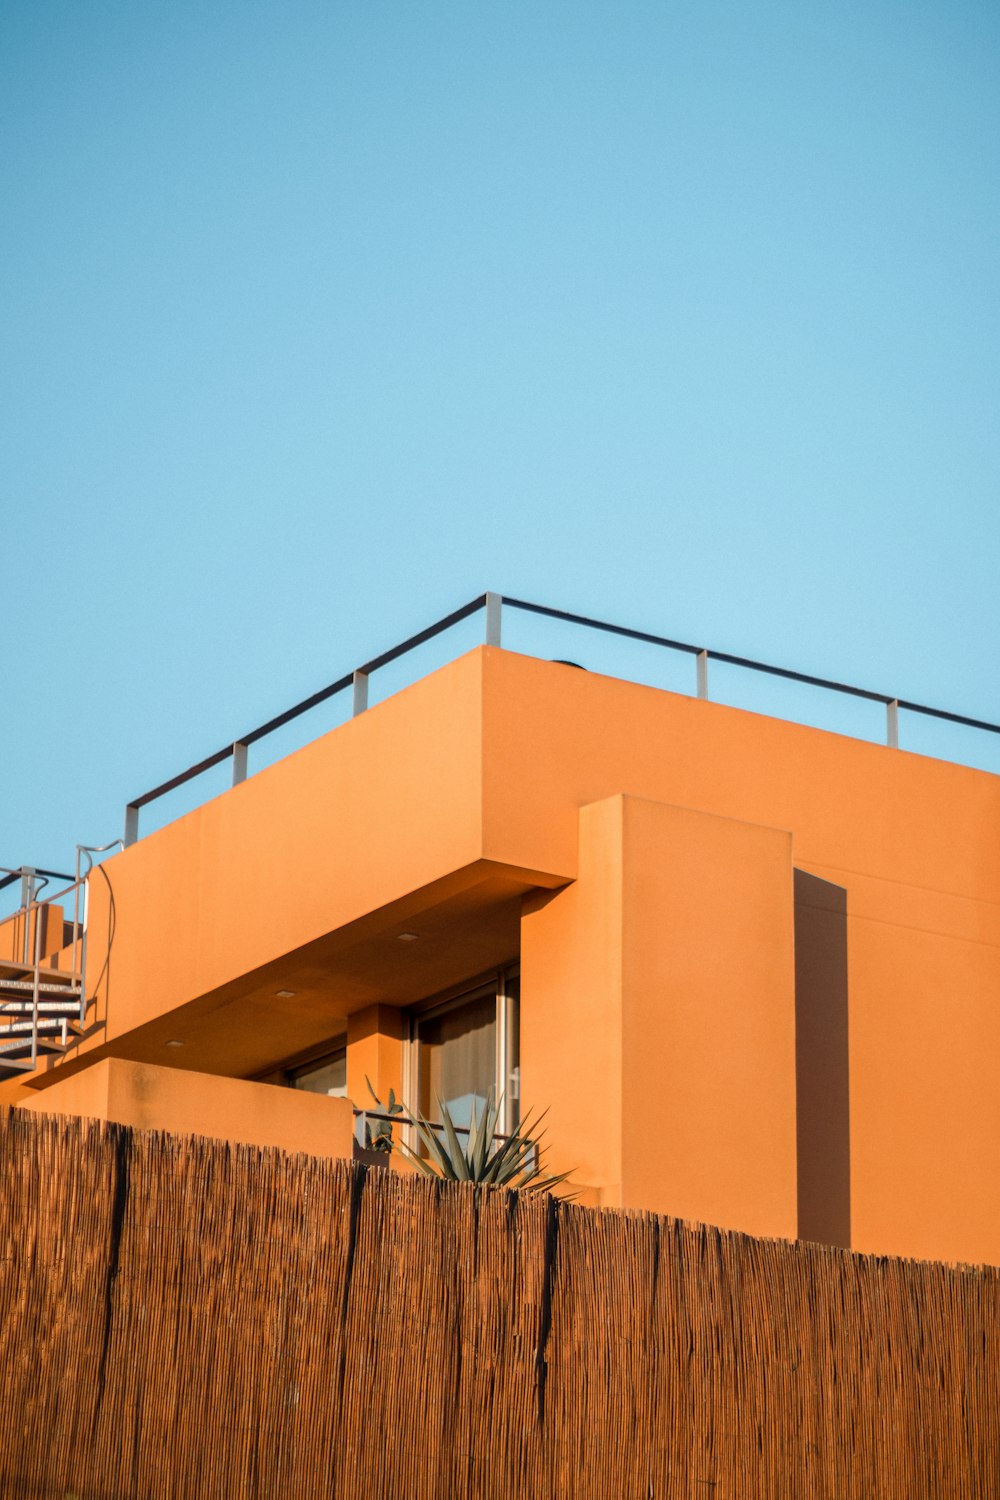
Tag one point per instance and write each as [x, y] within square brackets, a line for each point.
[302, 879]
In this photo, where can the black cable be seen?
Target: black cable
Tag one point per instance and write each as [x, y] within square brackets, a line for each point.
[112, 926]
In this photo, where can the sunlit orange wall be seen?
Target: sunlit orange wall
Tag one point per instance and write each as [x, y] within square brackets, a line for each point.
[374, 1054]
[153, 1098]
[660, 1019]
[386, 804]
[916, 844]
[50, 938]
[493, 758]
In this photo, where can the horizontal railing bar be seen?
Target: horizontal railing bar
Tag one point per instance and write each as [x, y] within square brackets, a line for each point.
[633, 635]
[547, 611]
[371, 666]
[401, 1121]
[188, 775]
[313, 701]
[280, 720]
[751, 665]
[661, 640]
[12, 876]
[793, 676]
[941, 713]
[48, 899]
[424, 635]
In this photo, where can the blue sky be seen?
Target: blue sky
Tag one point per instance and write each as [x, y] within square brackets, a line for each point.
[319, 319]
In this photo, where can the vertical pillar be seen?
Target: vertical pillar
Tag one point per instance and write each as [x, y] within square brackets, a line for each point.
[375, 1053]
[658, 1016]
[702, 668]
[494, 605]
[239, 762]
[28, 883]
[892, 724]
[571, 1012]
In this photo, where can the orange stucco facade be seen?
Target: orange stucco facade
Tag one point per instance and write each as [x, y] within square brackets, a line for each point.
[759, 963]
[148, 1097]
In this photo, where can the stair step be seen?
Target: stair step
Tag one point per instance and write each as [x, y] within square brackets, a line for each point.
[52, 976]
[20, 1045]
[20, 1028]
[26, 987]
[68, 1007]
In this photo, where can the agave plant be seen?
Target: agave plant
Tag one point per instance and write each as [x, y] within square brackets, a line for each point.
[380, 1139]
[488, 1158]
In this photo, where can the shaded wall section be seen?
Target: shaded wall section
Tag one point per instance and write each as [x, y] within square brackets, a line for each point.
[822, 1061]
[183, 1317]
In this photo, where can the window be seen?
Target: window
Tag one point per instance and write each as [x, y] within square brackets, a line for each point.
[324, 1075]
[462, 1047]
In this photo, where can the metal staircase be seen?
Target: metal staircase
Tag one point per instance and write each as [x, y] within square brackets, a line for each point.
[43, 994]
[36, 1019]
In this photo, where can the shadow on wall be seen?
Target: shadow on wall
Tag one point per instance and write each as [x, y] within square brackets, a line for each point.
[822, 1068]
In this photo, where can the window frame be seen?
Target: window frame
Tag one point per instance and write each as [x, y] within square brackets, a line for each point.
[314, 1063]
[504, 985]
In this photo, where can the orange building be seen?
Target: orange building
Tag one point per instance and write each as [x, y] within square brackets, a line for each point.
[750, 968]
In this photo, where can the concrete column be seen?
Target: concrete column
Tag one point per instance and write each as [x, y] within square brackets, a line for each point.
[658, 1015]
[375, 1051]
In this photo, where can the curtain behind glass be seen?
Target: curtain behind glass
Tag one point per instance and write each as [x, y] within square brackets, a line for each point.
[456, 1059]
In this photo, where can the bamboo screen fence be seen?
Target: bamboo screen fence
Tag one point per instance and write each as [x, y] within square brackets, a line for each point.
[181, 1318]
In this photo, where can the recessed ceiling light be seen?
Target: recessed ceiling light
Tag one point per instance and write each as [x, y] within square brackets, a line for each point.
[407, 937]
[175, 1043]
[285, 994]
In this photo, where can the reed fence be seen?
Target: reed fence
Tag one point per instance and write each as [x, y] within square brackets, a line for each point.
[181, 1318]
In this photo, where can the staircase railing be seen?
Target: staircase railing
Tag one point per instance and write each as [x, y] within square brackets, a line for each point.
[43, 990]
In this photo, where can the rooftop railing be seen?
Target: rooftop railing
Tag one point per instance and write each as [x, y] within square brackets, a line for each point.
[492, 607]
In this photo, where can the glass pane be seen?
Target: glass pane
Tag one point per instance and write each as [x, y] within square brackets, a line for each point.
[456, 1059]
[512, 1070]
[327, 1077]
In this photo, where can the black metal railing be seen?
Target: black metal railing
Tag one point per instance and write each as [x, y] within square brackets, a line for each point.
[365, 1137]
[493, 605]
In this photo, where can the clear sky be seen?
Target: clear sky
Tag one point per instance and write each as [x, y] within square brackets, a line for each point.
[318, 319]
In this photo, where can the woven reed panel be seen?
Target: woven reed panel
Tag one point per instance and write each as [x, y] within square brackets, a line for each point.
[183, 1318]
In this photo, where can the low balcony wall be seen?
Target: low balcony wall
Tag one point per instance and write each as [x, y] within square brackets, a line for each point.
[228, 1109]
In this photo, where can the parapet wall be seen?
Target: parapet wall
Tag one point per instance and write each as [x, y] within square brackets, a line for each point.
[184, 1317]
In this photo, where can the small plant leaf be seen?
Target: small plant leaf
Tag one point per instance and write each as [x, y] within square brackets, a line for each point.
[488, 1159]
[455, 1152]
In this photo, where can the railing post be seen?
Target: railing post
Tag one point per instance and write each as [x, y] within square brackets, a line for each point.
[239, 762]
[892, 724]
[83, 953]
[360, 693]
[494, 604]
[35, 982]
[27, 897]
[131, 825]
[701, 661]
[76, 913]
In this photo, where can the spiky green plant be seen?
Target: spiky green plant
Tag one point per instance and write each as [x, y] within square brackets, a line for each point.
[488, 1159]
